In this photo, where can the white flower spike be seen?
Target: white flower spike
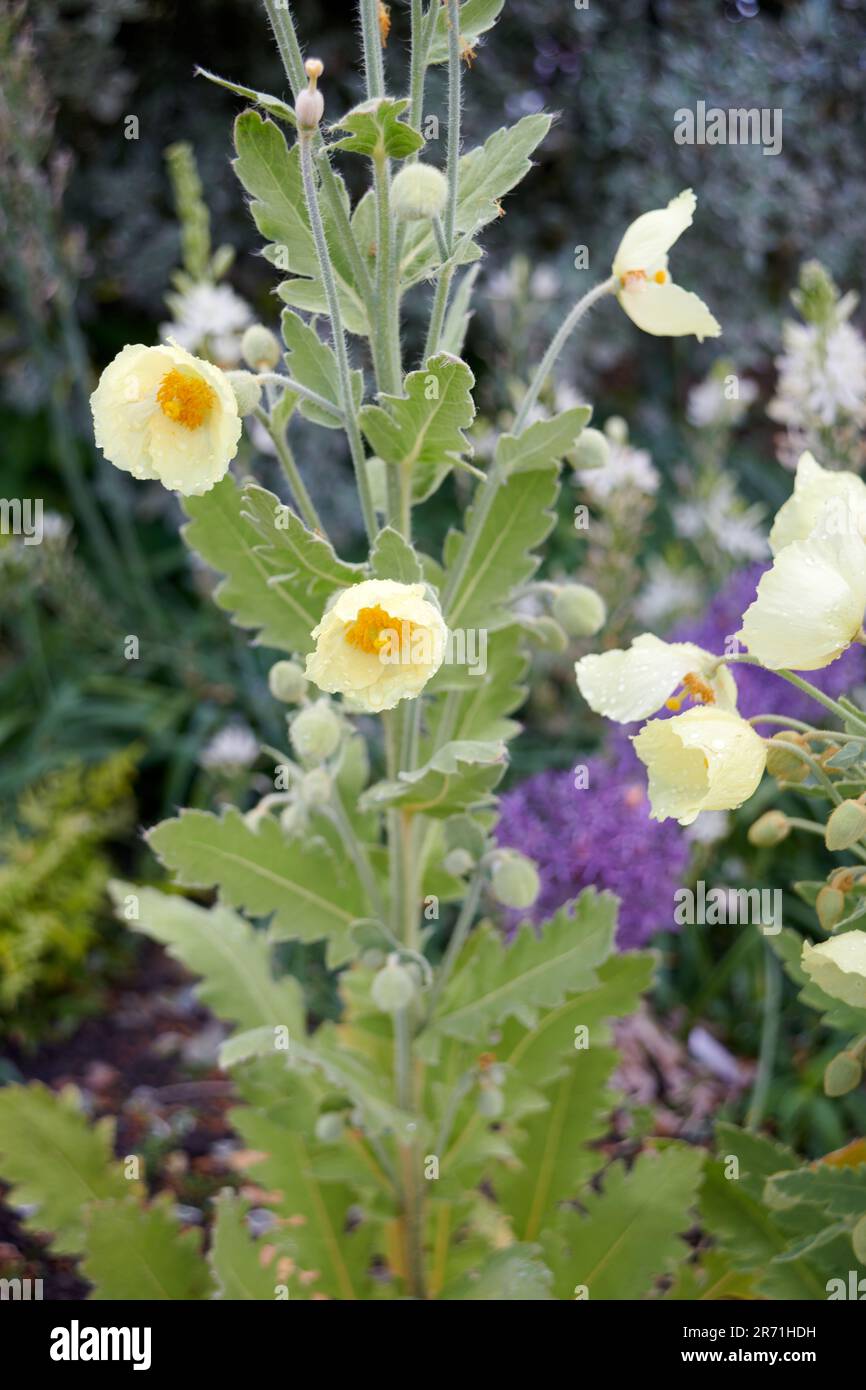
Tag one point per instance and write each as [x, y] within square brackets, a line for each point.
[809, 607]
[703, 760]
[645, 289]
[160, 413]
[635, 683]
[380, 643]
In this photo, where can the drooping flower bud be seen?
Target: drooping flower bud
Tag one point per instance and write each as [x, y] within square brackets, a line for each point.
[310, 105]
[782, 762]
[842, 1074]
[770, 829]
[580, 610]
[458, 862]
[259, 348]
[316, 732]
[592, 450]
[847, 825]
[830, 907]
[287, 682]
[418, 192]
[393, 988]
[248, 391]
[514, 879]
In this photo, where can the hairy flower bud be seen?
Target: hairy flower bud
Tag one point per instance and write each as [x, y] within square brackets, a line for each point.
[419, 191]
[316, 732]
[329, 1127]
[579, 610]
[248, 391]
[287, 682]
[310, 105]
[316, 787]
[259, 348]
[782, 762]
[846, 825]
[842, 1074]
[769, 830]
[830, 907]
[393, 988]
[458, 862]
[592, 450]
[514, 879]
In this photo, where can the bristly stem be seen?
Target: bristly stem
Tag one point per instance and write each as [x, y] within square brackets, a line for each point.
[557, 343]
[283, 25]
[422, 37]
[374, 68]
[453, 157]
[304, 501]
[353, 433]
[387, 324]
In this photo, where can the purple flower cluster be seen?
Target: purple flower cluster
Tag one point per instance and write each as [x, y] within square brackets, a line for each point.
[600, 836]
[762, 692]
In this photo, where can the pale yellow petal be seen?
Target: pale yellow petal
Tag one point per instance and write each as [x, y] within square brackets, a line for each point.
[651, 235]
[809, 606]
[668, 311]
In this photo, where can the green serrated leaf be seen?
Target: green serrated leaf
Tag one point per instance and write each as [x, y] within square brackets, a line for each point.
[476, 17]
[138, 1253]
[244, 1269]
[484, 697]
[545, 442]
[514, 1274]
[232, 958]
[377, 131]
[273, 105]
[536, 971]
[252, 591]
[421, 432]
[56, 1160]
[838, 1191]
[458, 776]
[519, 519]
[312, 363]
[456, 324]
[487, 173]
[271, 174]
[632, 1232]
[392, 557]
[310, 892]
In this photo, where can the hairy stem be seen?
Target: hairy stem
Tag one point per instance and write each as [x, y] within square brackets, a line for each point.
[283, 25]
[557, 343]
[304, 501]
[453, 156]
[374, 69]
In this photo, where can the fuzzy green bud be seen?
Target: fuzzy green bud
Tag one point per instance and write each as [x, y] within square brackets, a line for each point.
[514, 879]
[580, 610]
[769, 830]
[847, 825]
[248, 391]
[592, 450]
[287, 682]
[393, 988]
[316, 732]
[259, 348]
[458, 862]
[842, 1074]
[830, 907]
[329, 1127]
[316, 787]
[418, 192]
[782, 762]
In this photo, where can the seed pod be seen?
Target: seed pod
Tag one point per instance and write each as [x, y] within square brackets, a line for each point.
[847, 825]
[770, 829]
[830, 907]
[310, 105]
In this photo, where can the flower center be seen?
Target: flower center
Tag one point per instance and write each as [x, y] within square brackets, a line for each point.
[694, 687]
[374, 628]
[637, 279]
[185, 399]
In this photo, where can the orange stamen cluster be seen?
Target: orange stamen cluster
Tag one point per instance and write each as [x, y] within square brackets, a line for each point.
[635, 279]
[694, 687]
[384, 22]
[185, 399]
[371, 629]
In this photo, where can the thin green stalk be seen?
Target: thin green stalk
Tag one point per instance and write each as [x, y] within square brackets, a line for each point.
[304, 501]
[422, 37]
[461, 930]
[289, 384]
[374, 68]
[814, 767]
[439, 309]
[769, 1039]
[353, 433]
[358, 855]
[557, 343]
[452, 169]
[834, 706]
[283, 25]
[387, 325]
